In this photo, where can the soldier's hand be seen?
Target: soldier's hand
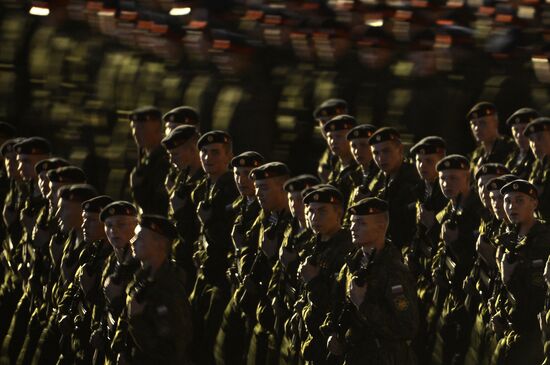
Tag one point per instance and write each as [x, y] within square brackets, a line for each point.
[426, 217]
[497, 325]
[87, 282]
[122, 359]
[277, 308]
[177, 203]
[40, 237]
[204, 212]
[334, 346]
[286, 256]
[28, 222]
[66, 324]
[56, 250]
[357, 293]
[449, 234]
[507, 268]
[136, 308]
[269, 246]
[237, 237]
[9, 215]
[96, 339]
[111, 290]
[308, 271]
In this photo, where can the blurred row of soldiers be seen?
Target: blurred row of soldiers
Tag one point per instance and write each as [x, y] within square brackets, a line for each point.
[384, 257]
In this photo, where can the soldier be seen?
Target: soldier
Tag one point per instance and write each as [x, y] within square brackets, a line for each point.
[400, 180]
[120, 220]
[375, 314]
[521, 270]
[232, 337]
[319, 270]
[336, 131]
[492, 147]
[453, 260]
[181, 145]
[325, 112]
[521, 159]
[538, 132]
[147, 178]
[157, 311]
[212, 198]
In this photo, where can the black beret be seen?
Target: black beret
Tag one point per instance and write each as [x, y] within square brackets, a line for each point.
[7, 130]
[537, 125]
[77, 192]
[340, 122]
[453, 162]
[33, 146]
[429, 145]
[481, 109]
[522, 116]
[182, 115]
[496, 183]
[307, 190]
[369, 206]
[158, 224]
[145, 113]
[491, 168]
[50, 164]
[361, 131]
[521, 186]
[269, 170]
[118, 208]
[384, 134]
[95, 205]
[324, 194]
[300, 182]
[7, 146]
[67, 175]
[179, 136]
[329, 108]
[216, 136]
[247, 159]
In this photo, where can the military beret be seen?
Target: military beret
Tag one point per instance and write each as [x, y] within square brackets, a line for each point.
[182, 115]
[537, 125]
[369, 206]
[300, 182]
[7, 130]
[481, 109]
[158, 224]
[453, 162]
[340, 122]
[384, 134]
[491, 169]
[307, 190]
[324, 194]
[7, 147]
[96, 204]
[179, 136]
[77, 192]
[145, 113]
[496, 183]
[247, 159]
[429, 145]
[67, 175]
[361, 131]
[33, 146]
[521, 186]
[50, 164]
[268, 170]
[216, 136]
[330, 108]
[117, 208]
[522, 116]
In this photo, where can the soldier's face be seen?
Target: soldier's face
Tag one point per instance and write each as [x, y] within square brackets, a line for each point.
[482, 190]
[69, 215]
[215, 158]
[497, 205]
[338, 143]
[425, 165]
[484, 128]
[366, 229]
[269, 192]
[519, 207]
[517, 132]
[120, 230]
[540, 144]
[183, 155]
[53, 194]
[453, 182]
[25, 165]
[325, 218]
[143, 243]
[44, 184]
[145, 132]
[361, 151]
[92, 228]
[296, 204]
[11, 166]
[388, 155]
[244, 183]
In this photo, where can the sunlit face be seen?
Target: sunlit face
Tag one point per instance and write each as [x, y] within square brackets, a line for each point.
[69, 214]
[325, 218]
[366, 229]
[269, 191]
[25, 165]
[10, 161]
[44, 184]
[338, 143]
[497, 204]
[92, 228]
[120, 230]
[296, 204]
[183, 155]
[519, 207]
[215, 158]
[540, 143]
[53, 194]
[517, 132]
[144, 132]
[244, 183]
[388, 155]
[482, 190]
[425, 165]
[143, 243]
[361, 151]
[453, 182]
[484, 128]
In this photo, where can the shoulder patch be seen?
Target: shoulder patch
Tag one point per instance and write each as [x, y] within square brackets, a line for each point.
[401, 303]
